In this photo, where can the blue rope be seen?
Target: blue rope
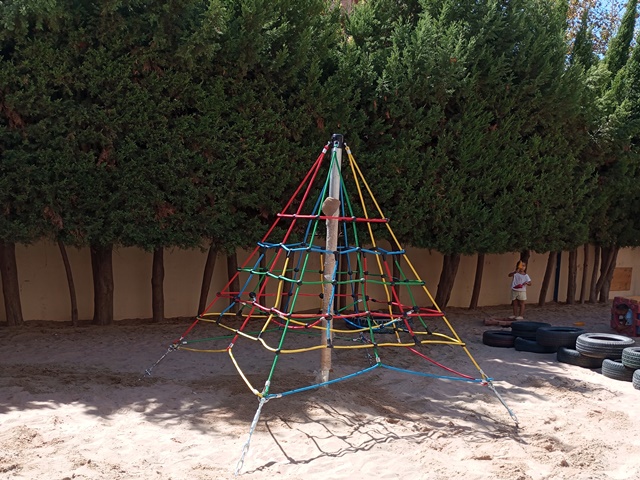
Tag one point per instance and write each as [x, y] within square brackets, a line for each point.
[366, 370]
[318, 385]
[446, 377]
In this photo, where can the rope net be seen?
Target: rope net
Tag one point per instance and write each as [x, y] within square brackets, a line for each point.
[320, 280]
[300, 293]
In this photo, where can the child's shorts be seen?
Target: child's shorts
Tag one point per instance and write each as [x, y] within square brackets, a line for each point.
[518, 295]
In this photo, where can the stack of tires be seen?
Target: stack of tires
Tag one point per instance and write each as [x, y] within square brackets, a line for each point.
[631, 360]
[617, 355]
[550, 339]
[536, 337]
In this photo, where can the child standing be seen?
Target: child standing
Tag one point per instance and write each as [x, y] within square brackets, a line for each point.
[520, 281]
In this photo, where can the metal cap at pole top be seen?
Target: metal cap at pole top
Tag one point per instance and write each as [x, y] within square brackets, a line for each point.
[334, 180]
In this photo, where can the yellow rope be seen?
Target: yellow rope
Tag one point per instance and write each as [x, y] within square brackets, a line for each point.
[355, 168]
[435, 338]
[319, 327]
[282, 274]
[241, 373]
[276, 323]
[344, 347]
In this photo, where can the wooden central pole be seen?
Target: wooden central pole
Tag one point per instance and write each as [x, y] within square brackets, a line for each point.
[330, 207]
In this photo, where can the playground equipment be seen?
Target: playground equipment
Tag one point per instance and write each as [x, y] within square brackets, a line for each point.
[320, 279]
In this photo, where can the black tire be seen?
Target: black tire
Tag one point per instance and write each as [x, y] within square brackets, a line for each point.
[631, 357]
[574, 357]
[603, 345]
[498, 338]
[616, 370]
[558, 336]
[525, 345]
[636, 380]
[524, 329]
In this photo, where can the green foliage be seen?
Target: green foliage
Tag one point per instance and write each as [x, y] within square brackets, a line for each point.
[615, 146]
[582, 51]
[470, 118]
[274, 58]
[616, 219]
[618, 51]
[27, 121]
[187, 121]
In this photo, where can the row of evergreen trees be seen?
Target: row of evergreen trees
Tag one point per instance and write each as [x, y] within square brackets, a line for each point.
[186, 123]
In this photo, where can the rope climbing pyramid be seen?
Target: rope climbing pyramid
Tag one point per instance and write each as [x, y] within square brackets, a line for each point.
[320, 280]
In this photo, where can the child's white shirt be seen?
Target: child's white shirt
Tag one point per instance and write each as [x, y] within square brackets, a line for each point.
[520, 279]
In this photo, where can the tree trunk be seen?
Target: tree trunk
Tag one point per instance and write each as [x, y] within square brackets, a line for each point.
[10, 285]
[102, 267]
[207, 275]
[593, 292]
[477, 282]
[585, 267]
[447, 279]
[232, 270]
[157, 285]
[524, 256]
[606, 285]
[546, 281]
[572, 277]
[71, 285]
[607, 259]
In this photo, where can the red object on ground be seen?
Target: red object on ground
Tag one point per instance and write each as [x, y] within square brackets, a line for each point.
[634, 306]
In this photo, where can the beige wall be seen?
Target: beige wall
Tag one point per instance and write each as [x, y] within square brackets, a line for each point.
[45, 295]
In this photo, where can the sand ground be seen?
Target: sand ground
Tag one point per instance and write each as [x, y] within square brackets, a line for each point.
[74, 404]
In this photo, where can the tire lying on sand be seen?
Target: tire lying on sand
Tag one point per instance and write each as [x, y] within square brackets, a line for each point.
[603, 345]
[574, 357]
[558, 336]
[616, 370]
[636, 380]
[526, 345]
[524, 329]
[498, 338]
[631, 357]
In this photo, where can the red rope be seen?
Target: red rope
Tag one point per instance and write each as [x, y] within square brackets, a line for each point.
[439, 364]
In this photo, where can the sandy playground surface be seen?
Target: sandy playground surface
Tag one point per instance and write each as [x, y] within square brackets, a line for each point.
[73, 406]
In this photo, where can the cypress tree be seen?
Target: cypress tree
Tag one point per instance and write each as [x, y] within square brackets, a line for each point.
[400, 65]
[28, 137]
[122, 169]
[274, 102]
[618, 176]
[618, 49]
[463, 104]
[612, 224]
[582, 51]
